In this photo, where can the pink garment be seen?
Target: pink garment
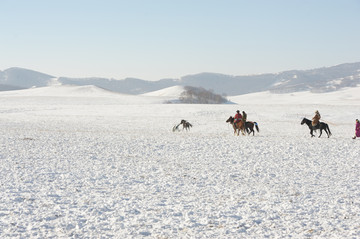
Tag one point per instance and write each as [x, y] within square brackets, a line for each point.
[357, 129]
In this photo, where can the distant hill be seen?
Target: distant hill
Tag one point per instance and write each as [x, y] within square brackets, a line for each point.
[319, 80]
[10, 87]
[126, 86]
[346, 96]
[18, 78]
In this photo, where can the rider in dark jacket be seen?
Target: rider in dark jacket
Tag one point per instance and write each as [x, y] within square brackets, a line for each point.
[244, 116]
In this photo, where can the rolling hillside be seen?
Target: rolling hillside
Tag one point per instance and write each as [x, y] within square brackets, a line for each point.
[319, 80]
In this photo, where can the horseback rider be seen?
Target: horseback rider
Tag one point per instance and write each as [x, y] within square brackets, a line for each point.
[243, 119]
[316, 118]
[237, 117]
[244, 116]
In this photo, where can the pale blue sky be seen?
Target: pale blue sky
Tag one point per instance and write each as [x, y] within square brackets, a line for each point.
[155, 39]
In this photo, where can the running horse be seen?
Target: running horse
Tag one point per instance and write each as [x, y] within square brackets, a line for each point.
[185, 124]
[321, 126]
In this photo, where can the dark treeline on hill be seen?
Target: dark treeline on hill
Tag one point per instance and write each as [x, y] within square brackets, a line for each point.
[198, 95]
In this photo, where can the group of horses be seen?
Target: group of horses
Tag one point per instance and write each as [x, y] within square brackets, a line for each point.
[239, 126]
[249, 126]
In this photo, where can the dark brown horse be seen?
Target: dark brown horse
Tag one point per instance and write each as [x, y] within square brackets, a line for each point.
[186, 125]
[249, 126]
[321, 126]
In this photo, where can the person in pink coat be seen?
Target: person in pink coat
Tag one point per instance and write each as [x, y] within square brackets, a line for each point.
[357, 129]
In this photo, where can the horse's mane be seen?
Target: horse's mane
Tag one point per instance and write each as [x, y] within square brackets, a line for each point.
[230, 119]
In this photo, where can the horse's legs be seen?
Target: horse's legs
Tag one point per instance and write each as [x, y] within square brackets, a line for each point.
[242, 127]
[237, 128]
[311, 132]
[327, 132]
[252, 130]
[249, 130]
[320, 132]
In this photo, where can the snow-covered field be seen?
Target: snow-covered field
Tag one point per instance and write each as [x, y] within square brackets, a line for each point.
[81, 162]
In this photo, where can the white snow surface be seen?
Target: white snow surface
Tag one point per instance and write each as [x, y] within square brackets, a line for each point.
[173, 91]
[346, 96]
[86, 163]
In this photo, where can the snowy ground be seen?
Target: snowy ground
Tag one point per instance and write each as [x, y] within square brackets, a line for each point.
[84, 163]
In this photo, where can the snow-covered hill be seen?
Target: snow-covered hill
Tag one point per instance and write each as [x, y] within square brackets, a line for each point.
[345, 96]
[173, 91]
[316, 80]
[85, 94]
[64, 91]
[23, 78]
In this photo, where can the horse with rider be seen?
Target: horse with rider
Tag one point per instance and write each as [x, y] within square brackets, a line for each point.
[239, 123]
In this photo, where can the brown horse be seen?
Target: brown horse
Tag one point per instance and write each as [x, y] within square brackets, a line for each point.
[249, 126]
[237, 127]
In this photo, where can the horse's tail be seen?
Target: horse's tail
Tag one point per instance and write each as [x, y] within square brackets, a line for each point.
[256, 126]
[327, 126]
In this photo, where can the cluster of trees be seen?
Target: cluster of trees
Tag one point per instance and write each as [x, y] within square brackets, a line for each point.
[198, 95]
